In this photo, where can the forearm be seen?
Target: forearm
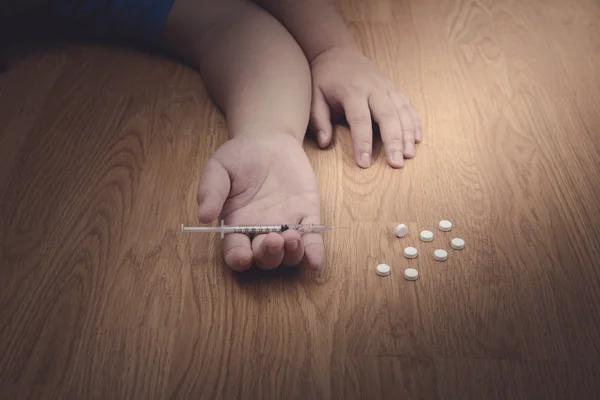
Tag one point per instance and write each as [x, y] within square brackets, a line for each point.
[254, 70]
[315, 24]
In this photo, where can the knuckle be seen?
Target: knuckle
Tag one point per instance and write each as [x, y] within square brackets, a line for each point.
[407, 103]
[388, 112]
[395, 144]
[392, 93]
[355, 87]
[349, 92]
[363, 143]
[358, 119]
[408, 130]
[405, 106]
[408, 124]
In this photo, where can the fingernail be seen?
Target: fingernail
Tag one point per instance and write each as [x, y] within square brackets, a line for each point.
[273, 249]
[321, 136]
[365, 160]
[293, 245]
[397, 157]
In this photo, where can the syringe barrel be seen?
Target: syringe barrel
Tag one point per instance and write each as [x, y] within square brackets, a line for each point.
[306, 228]
[262, 229]
[255, 229]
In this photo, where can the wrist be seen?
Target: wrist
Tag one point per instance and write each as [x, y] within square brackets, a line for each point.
[348, 48]
[255, 132]
[328, 46]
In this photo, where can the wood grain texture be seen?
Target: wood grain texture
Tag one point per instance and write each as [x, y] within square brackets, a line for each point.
[102, 297]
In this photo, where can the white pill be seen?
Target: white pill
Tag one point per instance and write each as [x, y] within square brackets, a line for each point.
[411, 274]
[457, 244]
[445, 226]
[410, 252]
[401, 230]
[426, 236]
[440, 255]
[383, 270]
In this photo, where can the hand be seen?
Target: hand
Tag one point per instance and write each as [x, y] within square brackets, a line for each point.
[349, 83]
[266, 180]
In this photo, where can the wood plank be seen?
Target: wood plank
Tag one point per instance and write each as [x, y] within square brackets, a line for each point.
[502, 379]
[101, 151]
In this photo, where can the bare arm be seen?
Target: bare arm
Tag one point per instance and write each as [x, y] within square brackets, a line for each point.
[315, 24]
[258, 75]
[348, 83]
[253, 68]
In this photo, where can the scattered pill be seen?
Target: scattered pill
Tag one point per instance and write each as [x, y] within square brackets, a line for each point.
[457, 244]
[401, 230]
[445, 226]
[410, 252]
[383, 270]
[440, 255]
[426, 236]
[411, 274]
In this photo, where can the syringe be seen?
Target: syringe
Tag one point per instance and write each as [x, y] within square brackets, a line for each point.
[256, 229]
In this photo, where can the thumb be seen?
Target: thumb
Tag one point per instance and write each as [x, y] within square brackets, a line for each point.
[320, 119]
[213, 191]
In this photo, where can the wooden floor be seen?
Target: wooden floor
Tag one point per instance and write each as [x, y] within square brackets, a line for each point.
[102, 297]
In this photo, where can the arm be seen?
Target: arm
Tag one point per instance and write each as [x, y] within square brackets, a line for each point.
[253, 68]
[258, 75]
[315, 24]
[345, 81]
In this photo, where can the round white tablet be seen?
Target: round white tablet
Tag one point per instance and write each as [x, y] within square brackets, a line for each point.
[440, 255]
[401, 230]
[457, 244]
[426, 236]
[383, 270]
[410, 252]
[411, 274]
[445, 226]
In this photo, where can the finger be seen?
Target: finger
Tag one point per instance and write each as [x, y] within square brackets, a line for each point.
[237, 251]
[417, 122]
[408, 129]
[314, 249]
[294, 251]
[384, 112]
[408, 125]
[213, 191]
[320, 119]
[268, 250]
[358, 116]
[415, 116]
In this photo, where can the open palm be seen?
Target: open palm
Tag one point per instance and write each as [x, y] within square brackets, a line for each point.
[267, 180]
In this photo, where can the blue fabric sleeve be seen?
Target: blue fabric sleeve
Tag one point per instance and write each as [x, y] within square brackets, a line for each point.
[142, 20]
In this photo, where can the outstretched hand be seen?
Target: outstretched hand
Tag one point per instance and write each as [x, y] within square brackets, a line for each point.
[264, 180]
[346, 83]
